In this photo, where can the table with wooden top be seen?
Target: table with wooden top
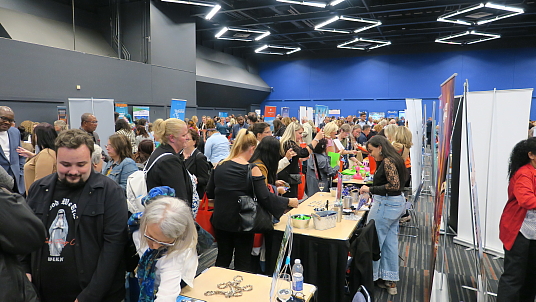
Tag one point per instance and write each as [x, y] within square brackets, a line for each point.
[208, 280]
[323, 254]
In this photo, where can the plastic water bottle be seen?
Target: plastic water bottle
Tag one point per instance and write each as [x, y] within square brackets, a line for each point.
[297, 276]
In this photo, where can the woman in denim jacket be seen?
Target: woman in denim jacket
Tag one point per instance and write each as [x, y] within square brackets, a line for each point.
[121, 165]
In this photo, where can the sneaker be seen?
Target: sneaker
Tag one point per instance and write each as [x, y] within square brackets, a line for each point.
[405, 219]
[391, 287]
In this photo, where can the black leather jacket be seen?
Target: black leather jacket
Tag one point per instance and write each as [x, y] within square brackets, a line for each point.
[20, 233]
[101, 234]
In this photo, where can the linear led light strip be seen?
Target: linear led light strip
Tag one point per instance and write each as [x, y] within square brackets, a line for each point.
[472, 32]
[515, 11]
[292, 49]
[263, 33]
[379, 42]
[312, 3]
[213, 11]
[336, 18]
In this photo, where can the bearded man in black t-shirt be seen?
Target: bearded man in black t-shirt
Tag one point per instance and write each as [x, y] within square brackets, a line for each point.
[85, 215]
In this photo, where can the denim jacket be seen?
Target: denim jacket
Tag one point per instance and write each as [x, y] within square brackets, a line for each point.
[119, 173]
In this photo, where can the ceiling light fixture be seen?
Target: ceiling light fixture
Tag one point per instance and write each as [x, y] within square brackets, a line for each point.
[213, 11]
[514, 11]
[262, 34]
[321, 26]
[335, 2]
[287, 50]
[487, 37]
[379, 43]
[200, 3]
[308, 3]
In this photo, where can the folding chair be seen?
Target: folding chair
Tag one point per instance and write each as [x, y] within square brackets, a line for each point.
[410, 206]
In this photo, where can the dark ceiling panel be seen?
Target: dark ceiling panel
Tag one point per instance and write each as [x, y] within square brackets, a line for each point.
[404, 23]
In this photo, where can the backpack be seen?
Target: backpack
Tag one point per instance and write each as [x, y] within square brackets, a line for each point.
[137, 187]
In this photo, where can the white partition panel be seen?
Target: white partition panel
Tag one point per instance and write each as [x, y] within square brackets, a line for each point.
[415, 124]
[492, 143]
[102, 109]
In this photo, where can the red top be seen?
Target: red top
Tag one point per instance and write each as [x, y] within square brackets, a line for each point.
[521, 197]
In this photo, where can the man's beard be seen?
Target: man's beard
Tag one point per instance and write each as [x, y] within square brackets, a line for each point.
[77, 184]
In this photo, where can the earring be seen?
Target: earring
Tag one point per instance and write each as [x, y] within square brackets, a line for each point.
[381, 153]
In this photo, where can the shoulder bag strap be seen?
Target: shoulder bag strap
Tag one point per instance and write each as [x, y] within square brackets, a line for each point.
[154, 162]
[250, 177]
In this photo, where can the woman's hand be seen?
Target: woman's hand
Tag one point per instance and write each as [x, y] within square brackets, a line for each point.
[290, 154]
[319, 135]
[293, 202]
[364, 189]
[25, 153]
[281, 190]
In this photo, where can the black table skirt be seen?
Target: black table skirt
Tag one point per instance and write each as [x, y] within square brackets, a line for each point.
[324, 262]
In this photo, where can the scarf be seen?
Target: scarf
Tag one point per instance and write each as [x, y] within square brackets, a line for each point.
[147, 274]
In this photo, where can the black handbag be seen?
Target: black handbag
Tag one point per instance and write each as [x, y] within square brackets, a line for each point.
[253, 217]
[295, 179]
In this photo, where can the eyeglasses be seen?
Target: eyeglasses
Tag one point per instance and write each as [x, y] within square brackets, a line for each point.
[7, 119]
[156, 241]
[93, 122]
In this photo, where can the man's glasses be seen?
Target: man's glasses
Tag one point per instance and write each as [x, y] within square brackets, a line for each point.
[156, 241]
[92, 122]
[6, 119]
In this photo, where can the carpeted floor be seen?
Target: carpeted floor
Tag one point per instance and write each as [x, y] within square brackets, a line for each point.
[415, 264]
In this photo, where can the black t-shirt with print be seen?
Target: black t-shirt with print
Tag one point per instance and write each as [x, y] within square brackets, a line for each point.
[58, 267]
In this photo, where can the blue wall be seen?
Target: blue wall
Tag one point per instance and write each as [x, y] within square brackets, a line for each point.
[381, 83]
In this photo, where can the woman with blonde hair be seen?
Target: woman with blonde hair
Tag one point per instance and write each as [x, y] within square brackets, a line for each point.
[228, 181]
[330, 133]
[169, 169]
[402, 142]
[291, 139]
[168, 257]
[390, 131]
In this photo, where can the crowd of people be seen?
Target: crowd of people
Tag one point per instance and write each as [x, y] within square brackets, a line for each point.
[78, 226]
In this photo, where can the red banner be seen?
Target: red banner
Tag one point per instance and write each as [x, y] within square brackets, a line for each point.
[446, 103]
[269, 111]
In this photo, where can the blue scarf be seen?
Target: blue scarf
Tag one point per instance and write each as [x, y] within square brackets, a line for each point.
[147, 273]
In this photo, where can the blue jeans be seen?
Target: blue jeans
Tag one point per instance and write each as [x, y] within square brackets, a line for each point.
[386, 211]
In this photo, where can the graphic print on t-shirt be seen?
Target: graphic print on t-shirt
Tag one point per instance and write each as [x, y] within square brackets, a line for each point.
[59, 228]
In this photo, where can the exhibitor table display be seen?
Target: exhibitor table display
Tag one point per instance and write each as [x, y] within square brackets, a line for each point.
[215, 282]
[323, 253]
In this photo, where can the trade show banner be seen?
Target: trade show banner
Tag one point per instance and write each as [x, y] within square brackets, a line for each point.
[392, 113]
[321, 112]
[223, 114]
[285, 111]
[415, 125]
[269, 111]
[446, 101]
[377, 115]
[122, 109]
[335, 112]
[401, 113]
[302, 112]
[140, 112]
[62, 113]
[310, 114]
[178, 109]
[492, 145]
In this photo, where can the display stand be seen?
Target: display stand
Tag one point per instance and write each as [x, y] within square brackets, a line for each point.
[284, 255]
[102, 109]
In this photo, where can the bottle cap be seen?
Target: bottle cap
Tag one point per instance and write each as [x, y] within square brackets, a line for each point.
[297, 261]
